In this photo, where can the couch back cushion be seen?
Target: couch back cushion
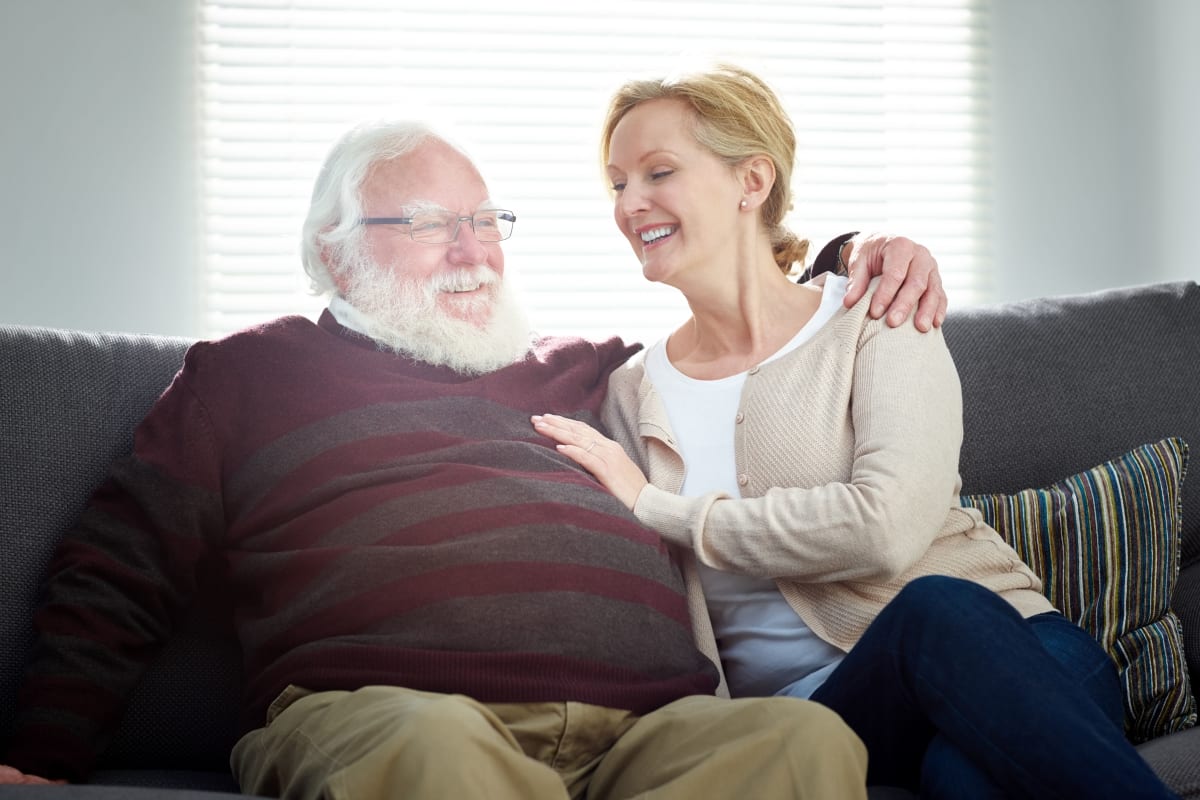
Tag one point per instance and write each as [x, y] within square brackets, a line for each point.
[1055, 386]
[69, 402]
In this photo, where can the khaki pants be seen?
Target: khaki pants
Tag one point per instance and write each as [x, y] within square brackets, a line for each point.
[387, 742]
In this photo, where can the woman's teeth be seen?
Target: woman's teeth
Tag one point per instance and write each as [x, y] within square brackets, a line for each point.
[654, 234]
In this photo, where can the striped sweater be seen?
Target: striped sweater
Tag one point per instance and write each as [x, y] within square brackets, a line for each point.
[378, 521]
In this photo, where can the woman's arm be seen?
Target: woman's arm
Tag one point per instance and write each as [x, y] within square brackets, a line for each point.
[871, 522]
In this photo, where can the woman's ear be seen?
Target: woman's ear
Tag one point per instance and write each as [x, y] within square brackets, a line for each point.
[757, 176]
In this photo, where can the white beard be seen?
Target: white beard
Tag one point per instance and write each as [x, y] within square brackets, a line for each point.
[403, 316]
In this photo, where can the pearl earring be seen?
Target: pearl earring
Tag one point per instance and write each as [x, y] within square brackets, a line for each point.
[742, 204]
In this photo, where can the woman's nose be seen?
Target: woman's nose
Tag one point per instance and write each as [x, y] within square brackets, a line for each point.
[632, 200]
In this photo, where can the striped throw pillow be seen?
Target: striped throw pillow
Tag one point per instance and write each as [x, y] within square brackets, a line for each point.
[1106, 543]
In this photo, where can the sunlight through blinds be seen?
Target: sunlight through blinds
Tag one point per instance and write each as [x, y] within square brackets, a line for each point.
[889, 100]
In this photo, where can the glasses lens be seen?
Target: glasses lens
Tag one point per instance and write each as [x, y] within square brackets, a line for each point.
[432, 227]
[493, 225]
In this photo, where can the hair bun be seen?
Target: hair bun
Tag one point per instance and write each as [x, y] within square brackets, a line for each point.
[789, 250]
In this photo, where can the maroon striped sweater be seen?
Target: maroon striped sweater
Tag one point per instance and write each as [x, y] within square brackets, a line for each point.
[380, 521]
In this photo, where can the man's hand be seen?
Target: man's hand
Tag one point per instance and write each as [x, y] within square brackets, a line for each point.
[910, 277]
[11, 775]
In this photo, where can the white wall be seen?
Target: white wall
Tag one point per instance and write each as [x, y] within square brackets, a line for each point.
[96, 165]
[1097, 174]
[1176, 26]
[1097, 170]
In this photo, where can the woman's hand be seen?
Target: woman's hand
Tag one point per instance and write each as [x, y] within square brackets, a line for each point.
[598, 454]
[12, 775]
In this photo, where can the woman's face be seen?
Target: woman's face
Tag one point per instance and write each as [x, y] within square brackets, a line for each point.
[674, 200]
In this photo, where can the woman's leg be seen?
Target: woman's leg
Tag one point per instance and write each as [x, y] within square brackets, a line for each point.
[950, 658]
[948, 773]
[1085, 661]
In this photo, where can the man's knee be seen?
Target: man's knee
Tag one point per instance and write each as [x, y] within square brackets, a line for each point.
[352, 724]
[435, 723]
[387, 737]
[819, 754]
[811, 728]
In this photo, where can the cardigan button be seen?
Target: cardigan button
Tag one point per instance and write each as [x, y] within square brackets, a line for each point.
[740, 416]
[754, 370]
[743, 479]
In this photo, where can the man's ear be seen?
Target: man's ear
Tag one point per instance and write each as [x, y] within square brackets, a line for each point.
[336, 273]
[757, 176]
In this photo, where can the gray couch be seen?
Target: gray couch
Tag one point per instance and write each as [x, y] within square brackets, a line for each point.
[1051, 387]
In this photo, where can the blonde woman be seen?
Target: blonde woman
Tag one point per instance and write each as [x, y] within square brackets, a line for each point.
[804, 458]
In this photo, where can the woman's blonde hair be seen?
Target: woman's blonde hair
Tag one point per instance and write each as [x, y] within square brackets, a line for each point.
[736, 116]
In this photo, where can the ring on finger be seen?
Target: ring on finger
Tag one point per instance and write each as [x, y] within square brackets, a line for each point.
[591, 444]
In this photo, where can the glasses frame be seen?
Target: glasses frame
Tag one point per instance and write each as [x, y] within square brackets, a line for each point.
[500, 213]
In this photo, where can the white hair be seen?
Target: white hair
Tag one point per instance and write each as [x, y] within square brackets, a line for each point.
[331, 229]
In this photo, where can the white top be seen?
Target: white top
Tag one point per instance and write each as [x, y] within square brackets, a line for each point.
[765, 647]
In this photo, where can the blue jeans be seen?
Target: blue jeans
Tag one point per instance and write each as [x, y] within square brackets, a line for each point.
[956, 695]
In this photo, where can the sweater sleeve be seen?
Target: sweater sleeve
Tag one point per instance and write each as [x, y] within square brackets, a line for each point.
[875, 523]
[113, 588]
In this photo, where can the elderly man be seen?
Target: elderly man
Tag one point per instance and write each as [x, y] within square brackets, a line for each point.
[431, 601]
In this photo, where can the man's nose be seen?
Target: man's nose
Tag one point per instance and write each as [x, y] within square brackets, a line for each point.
[466, 245]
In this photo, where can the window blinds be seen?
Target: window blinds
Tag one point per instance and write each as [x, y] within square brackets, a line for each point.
[889, 99]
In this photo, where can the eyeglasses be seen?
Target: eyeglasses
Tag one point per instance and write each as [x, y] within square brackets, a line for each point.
[441, 227]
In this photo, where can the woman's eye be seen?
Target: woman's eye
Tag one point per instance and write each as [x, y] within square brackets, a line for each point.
[656, 176]
[618, 186]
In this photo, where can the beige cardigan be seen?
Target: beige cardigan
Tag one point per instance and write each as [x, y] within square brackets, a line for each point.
[847, 457]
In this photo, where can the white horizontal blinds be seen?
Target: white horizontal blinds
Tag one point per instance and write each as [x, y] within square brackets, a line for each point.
[888, 99]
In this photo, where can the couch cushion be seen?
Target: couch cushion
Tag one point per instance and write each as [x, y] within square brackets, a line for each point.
[69, 402]
[1053, 386]
[1173, 758]
[1106, 544]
